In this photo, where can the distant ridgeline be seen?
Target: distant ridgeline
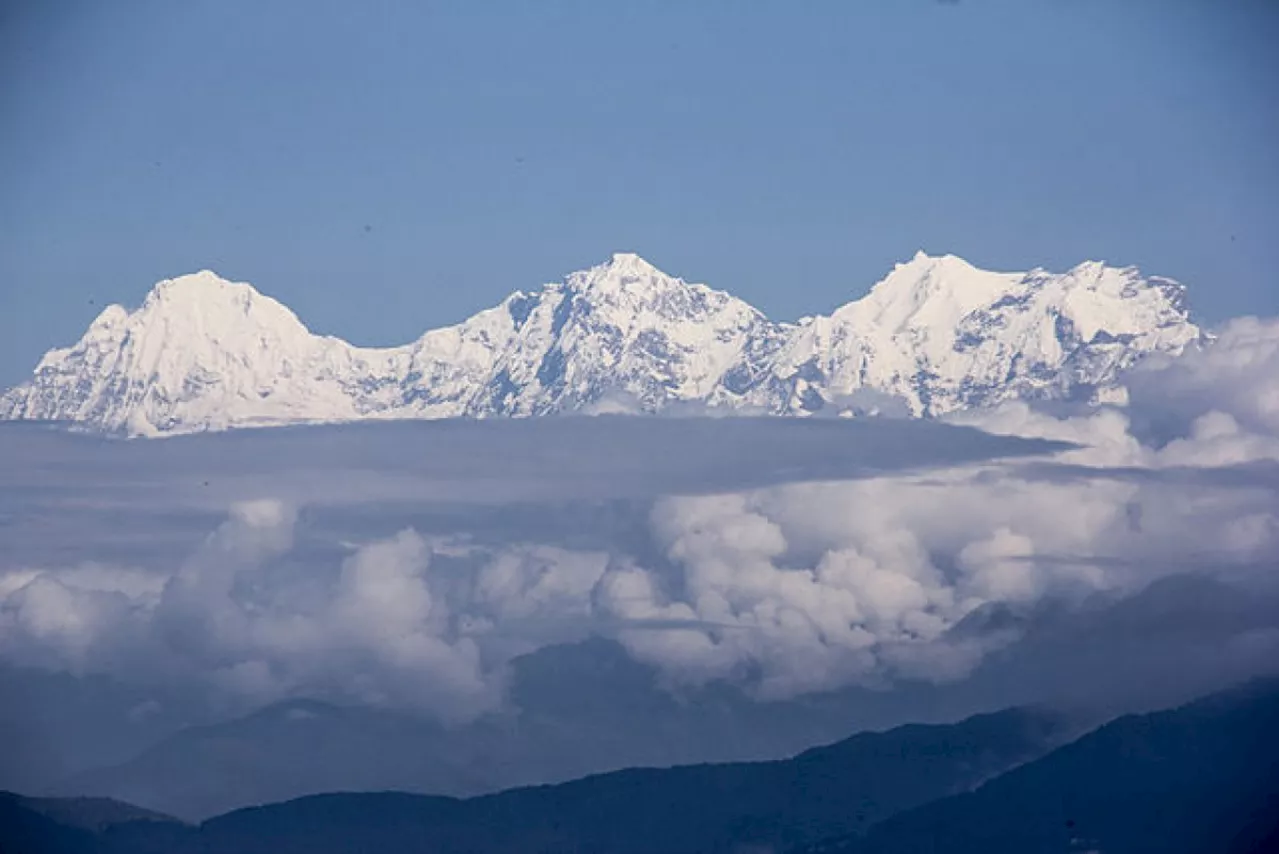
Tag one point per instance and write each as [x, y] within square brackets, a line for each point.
[1193, 780]
[934, 336]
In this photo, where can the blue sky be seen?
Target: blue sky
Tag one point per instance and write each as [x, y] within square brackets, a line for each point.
[386, 167]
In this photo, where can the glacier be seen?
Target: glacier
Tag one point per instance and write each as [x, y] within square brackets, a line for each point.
[934, 336]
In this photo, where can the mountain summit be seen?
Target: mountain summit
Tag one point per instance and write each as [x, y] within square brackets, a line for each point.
[938, 334]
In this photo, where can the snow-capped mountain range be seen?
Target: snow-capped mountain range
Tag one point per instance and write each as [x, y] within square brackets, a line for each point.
[935, 335]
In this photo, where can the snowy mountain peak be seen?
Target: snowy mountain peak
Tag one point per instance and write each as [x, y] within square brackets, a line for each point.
[205, 291]
[924, 259]
[629, 261]
[1087, 269]
[923, 264]
[929, 290]
[624, 272]
[197, 287]
[936, 334]
[931, 274]
[206, 306]
[110, 318]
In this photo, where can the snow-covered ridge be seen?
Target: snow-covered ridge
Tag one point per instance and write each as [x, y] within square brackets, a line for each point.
[935, 335]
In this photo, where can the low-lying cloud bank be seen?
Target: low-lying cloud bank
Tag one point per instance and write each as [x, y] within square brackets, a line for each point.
[407, 564]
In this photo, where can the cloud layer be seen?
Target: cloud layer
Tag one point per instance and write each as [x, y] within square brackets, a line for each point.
[406, 565]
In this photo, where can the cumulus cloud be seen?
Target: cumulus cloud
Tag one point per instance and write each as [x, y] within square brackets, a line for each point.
[1235, 375]
[787, 557]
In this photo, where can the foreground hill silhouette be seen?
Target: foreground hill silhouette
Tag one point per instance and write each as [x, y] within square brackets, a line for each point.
[81, 825]
[1198, 778]
[829, 790]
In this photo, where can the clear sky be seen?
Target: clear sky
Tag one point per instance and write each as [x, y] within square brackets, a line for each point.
[386, 167]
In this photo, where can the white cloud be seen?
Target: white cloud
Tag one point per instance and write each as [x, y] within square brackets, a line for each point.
[740, 561]
[1235, 374]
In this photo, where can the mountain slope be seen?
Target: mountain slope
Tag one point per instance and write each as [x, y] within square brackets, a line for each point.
[83, 826]
[694, 808]
[1200, 778]
[94, 814]
[559, 733]
[936, 334]
[702, 808]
